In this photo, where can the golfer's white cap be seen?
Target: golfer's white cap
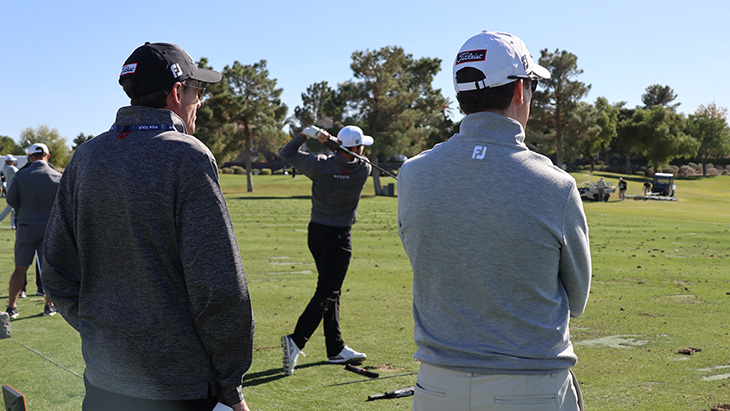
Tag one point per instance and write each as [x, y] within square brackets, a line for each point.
[38, 148]
[10, 157]
[351, 136]
[502, 57]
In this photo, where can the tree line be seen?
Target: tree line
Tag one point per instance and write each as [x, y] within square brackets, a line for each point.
[391, 98]
[568, 129]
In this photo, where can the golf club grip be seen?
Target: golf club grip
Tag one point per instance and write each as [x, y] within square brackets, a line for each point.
[332, 144]
[403, 392]
[362, 371]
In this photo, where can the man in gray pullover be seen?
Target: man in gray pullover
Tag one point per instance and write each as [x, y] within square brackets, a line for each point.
[498, 243]
[337, 182]
[8, 172]
[141, 255]
[32, 193]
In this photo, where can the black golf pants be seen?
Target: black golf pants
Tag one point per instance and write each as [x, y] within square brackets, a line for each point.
[331, 248]
[100, 399]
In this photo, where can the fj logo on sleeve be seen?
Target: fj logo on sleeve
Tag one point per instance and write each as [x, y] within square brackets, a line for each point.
[479, 152]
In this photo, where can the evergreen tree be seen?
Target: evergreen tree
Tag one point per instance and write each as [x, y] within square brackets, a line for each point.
[558, 98]
[658, 133]
[657, 94]
[392, 99]
[710, 129]
[243, 112]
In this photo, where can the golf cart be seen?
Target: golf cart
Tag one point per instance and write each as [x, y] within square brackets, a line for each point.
[589, 191]
[662, 189]
[663, 185]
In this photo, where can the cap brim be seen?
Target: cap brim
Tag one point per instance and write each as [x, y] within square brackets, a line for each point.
[206, 76]
[366, 141]
[540, 71]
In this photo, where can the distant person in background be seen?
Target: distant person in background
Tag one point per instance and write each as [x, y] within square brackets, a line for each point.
[8, 173]
[31, 194]
[647, 188]
[337, 183]
[9, 170]
[601, 186]
[622, 189]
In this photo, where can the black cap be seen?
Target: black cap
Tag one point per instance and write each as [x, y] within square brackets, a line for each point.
[157, 66]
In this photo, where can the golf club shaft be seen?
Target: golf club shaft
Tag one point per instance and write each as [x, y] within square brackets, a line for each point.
[370, 379]
[403, 392]
[362, 371]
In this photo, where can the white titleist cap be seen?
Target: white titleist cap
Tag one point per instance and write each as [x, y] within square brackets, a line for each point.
[38, 148]
[502, 57]
[351, 136]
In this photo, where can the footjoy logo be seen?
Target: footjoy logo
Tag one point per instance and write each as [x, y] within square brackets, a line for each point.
[473, 55]
[176, 70]
[479, 152]
[341, 177]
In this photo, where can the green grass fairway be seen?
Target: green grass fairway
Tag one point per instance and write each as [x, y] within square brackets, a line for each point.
[661, 283]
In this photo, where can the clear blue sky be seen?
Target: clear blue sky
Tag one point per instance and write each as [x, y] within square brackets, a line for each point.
[61, 60]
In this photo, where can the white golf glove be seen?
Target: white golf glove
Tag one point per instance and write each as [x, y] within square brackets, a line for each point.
[312, 132]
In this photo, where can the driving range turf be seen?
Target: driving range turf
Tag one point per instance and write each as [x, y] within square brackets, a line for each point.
[654, 335]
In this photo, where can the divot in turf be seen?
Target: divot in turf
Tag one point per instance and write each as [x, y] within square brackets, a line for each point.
[615, 341]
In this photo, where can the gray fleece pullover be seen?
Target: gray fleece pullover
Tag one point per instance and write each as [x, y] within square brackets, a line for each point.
[32, 191]
[141, 259]
[498, 243]
[336, 183]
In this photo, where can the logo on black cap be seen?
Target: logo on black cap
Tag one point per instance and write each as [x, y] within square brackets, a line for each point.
[176, 70]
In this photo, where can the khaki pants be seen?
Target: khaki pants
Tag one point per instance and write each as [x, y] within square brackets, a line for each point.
[443, 389]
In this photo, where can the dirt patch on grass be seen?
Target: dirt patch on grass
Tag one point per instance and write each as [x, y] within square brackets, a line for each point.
[615, 341]
[388, 368]
[691, 299]
[720, 407]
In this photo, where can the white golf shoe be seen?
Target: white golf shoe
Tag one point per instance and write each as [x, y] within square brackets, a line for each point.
[291, 353]
[348, 356]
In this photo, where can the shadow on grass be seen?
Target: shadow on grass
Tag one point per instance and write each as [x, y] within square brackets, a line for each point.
[274, 198]
[263, 377]
[307, 197]
[28, 317]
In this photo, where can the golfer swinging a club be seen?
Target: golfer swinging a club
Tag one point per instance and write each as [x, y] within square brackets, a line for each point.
[337, 182]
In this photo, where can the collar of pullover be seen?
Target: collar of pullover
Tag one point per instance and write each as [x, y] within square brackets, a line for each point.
[141, 115]
[344, 163]
[36, 164]
[493, 127]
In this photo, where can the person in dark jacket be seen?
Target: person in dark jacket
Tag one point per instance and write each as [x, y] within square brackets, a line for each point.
[337, 182]
[141, 255]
